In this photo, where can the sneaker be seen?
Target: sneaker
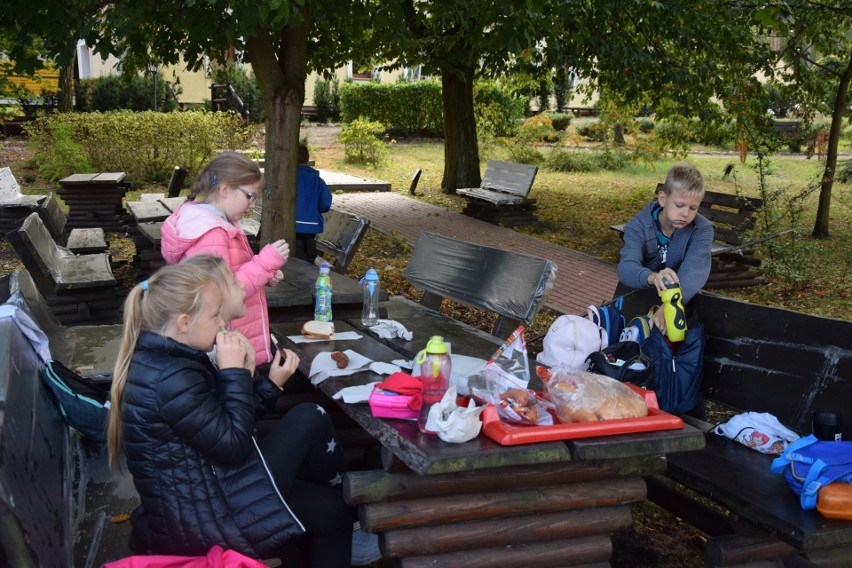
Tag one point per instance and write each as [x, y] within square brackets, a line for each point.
[365, 547]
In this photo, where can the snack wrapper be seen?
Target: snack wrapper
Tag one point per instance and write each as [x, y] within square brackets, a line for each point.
[579, 396]
[453, 423]
[503, 382]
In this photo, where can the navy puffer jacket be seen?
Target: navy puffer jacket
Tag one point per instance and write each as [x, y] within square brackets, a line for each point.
[188, 434]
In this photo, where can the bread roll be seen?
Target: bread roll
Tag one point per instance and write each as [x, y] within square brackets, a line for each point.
[587, 397]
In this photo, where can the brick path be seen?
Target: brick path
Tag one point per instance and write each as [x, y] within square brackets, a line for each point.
[581, 279]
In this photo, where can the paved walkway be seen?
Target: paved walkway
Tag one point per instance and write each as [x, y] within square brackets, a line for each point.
[581, 279]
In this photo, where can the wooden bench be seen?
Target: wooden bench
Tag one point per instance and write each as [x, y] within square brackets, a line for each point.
[759, 359]
[341, 235]
[734, 264]
[14, 205]
[501, 198]
[509, 284]
[78, 241]
[61, 504]
[79, 289]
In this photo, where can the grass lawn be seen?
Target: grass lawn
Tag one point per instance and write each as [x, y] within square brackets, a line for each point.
[577, 209]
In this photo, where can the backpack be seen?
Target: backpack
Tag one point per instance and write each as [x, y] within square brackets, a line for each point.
[84, 403]
[677, 377]
[569, 341]
[813, 463]
[609, 318]
[625, 362]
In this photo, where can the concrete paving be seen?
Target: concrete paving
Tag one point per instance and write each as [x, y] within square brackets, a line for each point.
[581, 279]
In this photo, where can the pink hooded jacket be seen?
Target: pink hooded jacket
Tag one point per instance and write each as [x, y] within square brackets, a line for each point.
[196, 229]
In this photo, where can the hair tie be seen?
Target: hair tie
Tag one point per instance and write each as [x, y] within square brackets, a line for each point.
[144, 285]
[214, 181]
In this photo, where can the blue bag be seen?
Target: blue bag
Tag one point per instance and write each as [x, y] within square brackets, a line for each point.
[84, 403]
[610, 319]
[813, 463]
[677, 378]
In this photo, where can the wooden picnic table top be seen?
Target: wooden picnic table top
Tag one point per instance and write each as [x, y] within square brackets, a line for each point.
[148, 211]
[425, 454]
[102, 178]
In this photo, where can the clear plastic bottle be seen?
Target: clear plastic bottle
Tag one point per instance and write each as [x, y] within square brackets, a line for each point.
[370, 311]
[674, 312]
[322, 306]
[435, 367]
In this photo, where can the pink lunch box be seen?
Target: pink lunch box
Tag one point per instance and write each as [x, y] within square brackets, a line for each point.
[387, 404]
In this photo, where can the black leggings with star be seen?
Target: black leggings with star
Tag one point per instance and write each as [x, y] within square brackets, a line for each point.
[307, 463]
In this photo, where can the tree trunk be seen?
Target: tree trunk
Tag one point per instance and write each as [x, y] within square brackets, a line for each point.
[822, 218]
[461, 152]
[65, 96]
[281, 78]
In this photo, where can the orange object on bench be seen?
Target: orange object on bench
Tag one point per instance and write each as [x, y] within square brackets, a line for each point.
[835, 501]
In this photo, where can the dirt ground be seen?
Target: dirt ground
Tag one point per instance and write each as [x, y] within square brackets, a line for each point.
[656, 539]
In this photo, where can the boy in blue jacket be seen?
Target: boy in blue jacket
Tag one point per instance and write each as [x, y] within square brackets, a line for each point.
[669, 240]
[313, 198]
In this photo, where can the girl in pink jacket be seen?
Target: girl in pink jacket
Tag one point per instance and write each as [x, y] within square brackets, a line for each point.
[208, 223]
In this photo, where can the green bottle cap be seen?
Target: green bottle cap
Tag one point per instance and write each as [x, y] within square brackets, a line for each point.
[436, 345]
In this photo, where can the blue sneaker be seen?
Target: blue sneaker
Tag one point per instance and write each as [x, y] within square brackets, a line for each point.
[365, 547]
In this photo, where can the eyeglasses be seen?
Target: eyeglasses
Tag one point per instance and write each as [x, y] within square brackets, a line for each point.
[251, 196]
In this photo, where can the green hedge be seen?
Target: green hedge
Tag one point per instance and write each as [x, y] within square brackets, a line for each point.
[415, 108]
[146, 145]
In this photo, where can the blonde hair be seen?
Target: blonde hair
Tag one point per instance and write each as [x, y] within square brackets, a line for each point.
[151, 306]
[230, 168]
[684, 177]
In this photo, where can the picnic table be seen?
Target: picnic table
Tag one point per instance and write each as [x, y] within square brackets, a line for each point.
[94, 200]
[481, 503]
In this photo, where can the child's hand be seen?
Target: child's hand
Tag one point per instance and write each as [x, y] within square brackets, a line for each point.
[283, 248]
[276, 278]
[280, 372]
[658, 320]
[230, 350]
[659, 279]
[249, 362]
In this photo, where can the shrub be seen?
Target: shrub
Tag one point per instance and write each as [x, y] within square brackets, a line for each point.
[591, 130]
[561, 160]
[146, 145]
[127, 92]
[560, 120]
[537, 129]
[524, 153]
[645, 125]
[59, 156]
[416, 109]
[362, 143]
[327, 100]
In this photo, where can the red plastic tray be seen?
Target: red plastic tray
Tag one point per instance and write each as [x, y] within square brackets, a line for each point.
[514, 434]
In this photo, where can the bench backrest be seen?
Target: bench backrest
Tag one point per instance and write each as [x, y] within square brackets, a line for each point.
[9, 187]
[53, 217]
[176, 181]
[341, 235]
[35, 461]
[730, 214]
[510, 284]
[508, 177]
[764, 359]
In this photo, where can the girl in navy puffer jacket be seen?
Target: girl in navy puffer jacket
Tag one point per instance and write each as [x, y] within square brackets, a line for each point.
[186, 426]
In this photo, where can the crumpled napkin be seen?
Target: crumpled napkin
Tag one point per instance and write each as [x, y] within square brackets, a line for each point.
[323, 366]
[382, 368]
[389, 329]
[453, 423]
[357, 393]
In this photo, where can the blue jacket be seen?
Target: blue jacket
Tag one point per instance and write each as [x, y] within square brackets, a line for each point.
[688, 253]
[313, 198]
[189, 439]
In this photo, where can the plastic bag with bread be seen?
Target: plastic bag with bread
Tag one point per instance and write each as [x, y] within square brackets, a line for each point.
[587, 397]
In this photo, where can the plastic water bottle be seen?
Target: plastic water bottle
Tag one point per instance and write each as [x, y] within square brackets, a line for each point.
[674, 312]
[322, 307]
[435, 367]
[370, 310]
